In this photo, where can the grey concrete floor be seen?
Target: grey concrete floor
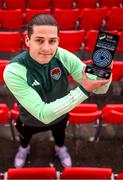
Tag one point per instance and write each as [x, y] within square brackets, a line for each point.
[108, 152]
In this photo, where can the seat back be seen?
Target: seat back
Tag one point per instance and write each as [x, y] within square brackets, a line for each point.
[29, 13]
[86, 173]
[15, 4]
[39, 4]
[84, 113]
[10, 41]
[91, 38]
[72, 40]
[81, 4]
[32, 173]
[62, 4]
[117, 72]
[113, 20]
[109, 3]
[97, 16]
[66, 18]
[12, 19]
[120, 44]
[113, 113]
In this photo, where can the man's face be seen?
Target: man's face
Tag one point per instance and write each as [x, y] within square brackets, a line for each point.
[43, 43]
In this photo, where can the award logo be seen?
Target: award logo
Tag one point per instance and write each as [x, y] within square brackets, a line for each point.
[103, 54]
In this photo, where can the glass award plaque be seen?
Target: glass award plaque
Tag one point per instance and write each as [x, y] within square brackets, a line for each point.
[103, 54]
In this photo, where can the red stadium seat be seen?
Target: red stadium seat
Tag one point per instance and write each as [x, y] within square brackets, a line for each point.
[39, 4]
[4, 119]
[86, 173]
[91, 37]
[14, 113]
[32, 173]
[72, 40]
[117, 72]
[66, 18]
[12, 19]
[109, 3]
[115, 19]
[29, 13]
[119, 176]
[15, 4]
[113, 113]
[81, 4]
[10, 41]
[84, 113]
[97, 16]
[62, 4]
[1, 4]
[120, 44]
[3, 64]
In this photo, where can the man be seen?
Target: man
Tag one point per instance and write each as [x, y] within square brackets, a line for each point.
[38, 79]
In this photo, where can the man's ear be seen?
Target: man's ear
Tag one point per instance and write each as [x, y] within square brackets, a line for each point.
[27, 41]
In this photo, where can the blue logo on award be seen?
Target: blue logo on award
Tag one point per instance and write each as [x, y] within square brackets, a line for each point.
[102, 58]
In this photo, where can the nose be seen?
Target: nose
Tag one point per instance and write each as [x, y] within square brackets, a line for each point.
[46, 46]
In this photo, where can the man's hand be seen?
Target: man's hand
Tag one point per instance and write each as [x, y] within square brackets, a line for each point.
[91, 85]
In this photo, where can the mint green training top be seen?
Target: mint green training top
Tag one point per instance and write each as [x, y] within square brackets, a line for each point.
[41, 90]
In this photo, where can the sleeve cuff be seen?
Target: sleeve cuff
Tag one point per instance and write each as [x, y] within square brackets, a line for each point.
[85, 91]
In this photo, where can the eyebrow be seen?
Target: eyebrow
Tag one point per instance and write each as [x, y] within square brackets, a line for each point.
[38, 37]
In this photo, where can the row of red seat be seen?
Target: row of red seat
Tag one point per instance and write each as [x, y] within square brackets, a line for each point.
[63, 4]
[81, 114]
[66, 173]
[80, 40]
[68, 19]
